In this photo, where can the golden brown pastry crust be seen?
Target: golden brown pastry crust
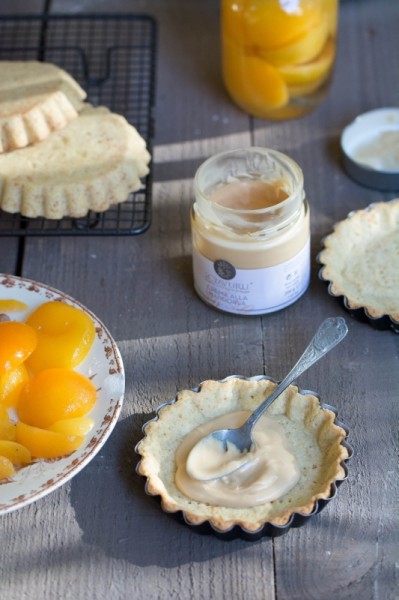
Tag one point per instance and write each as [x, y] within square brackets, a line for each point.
[96, 161]
[361, 260]
[313, 434]
[36, 99]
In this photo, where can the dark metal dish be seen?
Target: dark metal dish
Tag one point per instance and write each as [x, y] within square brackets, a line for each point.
[328, 272]
[268, 529]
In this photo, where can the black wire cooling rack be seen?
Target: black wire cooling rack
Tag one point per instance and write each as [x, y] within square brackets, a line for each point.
[113, 57]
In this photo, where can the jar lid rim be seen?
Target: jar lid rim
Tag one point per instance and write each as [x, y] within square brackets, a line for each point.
[276, 154]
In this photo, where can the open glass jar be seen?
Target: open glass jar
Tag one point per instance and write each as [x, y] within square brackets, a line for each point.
[278, 55]
[250, 231]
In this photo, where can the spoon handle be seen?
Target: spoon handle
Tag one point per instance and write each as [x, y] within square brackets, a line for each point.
[329, 334]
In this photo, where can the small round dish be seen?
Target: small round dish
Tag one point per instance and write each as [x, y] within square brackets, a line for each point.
[370, 146]
[213, 398]
[103, 366]
[360, 264]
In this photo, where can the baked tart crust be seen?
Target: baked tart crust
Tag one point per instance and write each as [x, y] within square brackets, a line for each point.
[36, 99]
[96, 161]
[361, 260]
[315, 437]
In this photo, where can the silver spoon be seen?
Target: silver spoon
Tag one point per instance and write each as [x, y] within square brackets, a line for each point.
[329, 334]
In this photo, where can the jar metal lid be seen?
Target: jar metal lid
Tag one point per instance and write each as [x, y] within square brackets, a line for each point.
[371, 139]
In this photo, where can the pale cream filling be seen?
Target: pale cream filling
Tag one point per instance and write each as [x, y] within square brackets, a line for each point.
[269, 471]
[249, 194]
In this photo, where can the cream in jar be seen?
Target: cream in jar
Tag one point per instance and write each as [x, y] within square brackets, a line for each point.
[268, 471]
[250, 232]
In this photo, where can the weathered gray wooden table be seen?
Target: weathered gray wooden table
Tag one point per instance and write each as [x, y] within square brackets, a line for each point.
[99, 536]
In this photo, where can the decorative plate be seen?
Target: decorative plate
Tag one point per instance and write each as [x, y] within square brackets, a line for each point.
[360, 263]
[103, 365]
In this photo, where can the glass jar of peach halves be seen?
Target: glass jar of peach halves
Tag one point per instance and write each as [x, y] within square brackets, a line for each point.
[278, 55]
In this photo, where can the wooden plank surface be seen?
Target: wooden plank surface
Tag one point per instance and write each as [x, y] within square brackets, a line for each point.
[8, 255]
[100, 536]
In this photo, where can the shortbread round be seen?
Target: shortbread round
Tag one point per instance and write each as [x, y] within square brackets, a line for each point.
[96, 161]
[36, 99]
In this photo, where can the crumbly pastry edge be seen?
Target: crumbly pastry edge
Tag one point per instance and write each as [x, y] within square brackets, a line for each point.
[155, 486]
[328, 269]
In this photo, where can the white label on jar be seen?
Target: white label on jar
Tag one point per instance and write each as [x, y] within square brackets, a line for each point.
[251, 291]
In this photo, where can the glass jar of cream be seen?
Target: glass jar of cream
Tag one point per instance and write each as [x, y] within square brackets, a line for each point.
[250, 231]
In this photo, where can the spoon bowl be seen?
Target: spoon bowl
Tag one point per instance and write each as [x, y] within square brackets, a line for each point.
[228, 450]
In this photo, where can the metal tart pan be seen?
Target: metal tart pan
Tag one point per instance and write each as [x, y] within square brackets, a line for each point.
[268, 529]
[383, 322]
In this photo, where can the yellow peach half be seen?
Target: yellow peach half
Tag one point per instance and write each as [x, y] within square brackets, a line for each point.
[56, 394]
[7, 426]
[65, 336]
[16, 452]
[11, 384]
[268, 25]
[17, 342]
[43, 443]
[314, 71]
[301, 50]
[251, 81]
[77, 426]
[12, 305]
[6, 468]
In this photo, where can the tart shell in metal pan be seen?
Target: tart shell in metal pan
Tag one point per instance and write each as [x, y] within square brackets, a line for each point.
[360, 264]
[157, 463]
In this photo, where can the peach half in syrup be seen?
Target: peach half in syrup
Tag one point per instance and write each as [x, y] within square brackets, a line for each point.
[65, 336]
